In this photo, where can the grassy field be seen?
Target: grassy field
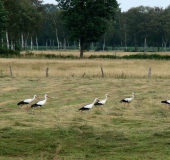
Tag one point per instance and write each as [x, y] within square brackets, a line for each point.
[60, 132]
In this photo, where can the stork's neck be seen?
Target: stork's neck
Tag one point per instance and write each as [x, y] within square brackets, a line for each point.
[132, 96]
[94, 101]
[45, 97]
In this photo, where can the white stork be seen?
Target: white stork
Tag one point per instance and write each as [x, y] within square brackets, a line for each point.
[102, 102]
[26, 101]
[166, 102]
[40, 103]
[128, 100]
[89, 106]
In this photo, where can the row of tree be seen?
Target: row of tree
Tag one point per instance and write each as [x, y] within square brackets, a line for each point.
[22, 22]
[84, 24]
[143, 26]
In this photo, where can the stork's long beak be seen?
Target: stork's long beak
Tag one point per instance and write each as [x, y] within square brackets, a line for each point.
[48, 96]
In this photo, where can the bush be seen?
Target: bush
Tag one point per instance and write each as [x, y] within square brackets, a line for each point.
[28, 53]
[8, 52]
[53, 56]
[103, 56]
[134, 56]
[147, 56]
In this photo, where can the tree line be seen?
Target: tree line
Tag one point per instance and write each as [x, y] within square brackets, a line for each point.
[30, 24]
[143, 26]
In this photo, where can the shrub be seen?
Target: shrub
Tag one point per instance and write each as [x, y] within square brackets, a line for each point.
[147, 56]
[103, 56]
[8, 52]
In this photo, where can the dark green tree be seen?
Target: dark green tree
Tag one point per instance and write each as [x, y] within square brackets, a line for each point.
[133, 20]
[155, 27]
[54, 26]
[3, 19]
[24, 20]
[87, 19]
[121, 29]
[165, 20]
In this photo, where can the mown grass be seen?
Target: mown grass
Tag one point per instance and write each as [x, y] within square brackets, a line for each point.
[116, 133]
[60, 132]
[85, 142]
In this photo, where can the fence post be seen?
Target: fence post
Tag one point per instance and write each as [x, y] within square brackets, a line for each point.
[149, 72]
[47, 72]
[10, 70]
[83, 75]
[102, 71]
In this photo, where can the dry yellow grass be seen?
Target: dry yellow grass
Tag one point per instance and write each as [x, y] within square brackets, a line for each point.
[91, 68]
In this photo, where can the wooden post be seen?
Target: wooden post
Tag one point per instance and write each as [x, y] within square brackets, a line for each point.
[10, 71]
[47, 72]
[83, 75]
[149, 72]
[102, 71]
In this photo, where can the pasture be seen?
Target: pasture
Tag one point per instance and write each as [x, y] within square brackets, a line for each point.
[60, 132]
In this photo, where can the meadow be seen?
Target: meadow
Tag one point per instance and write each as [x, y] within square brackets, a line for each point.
[60, 132]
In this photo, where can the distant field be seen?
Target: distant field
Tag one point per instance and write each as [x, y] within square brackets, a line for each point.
[91, 68]
[60, 132]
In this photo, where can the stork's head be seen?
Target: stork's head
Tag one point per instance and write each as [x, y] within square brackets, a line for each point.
[35, 96]
[46, 95]
[107, 95]
[96, 100]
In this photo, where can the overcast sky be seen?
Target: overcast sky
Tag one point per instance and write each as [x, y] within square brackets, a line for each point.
[127, 4]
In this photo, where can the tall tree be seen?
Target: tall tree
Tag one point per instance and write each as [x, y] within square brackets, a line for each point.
[54, 25]
[133, 20]
[3, 19]
[165, 19]
[155, 27]
[121, 28]
[86, 19]
[24, 19]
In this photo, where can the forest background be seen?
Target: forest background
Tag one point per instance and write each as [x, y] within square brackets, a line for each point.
[36, 26]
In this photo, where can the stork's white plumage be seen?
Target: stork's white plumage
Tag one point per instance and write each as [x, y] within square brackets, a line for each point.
[102, 102]
[26, 101]
[89, 106]
[40, 103]
[128, 100]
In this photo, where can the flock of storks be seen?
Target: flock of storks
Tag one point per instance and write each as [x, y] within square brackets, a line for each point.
[96, 102]
[35, 105]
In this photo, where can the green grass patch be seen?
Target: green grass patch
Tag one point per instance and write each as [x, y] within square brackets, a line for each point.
[83, 142]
